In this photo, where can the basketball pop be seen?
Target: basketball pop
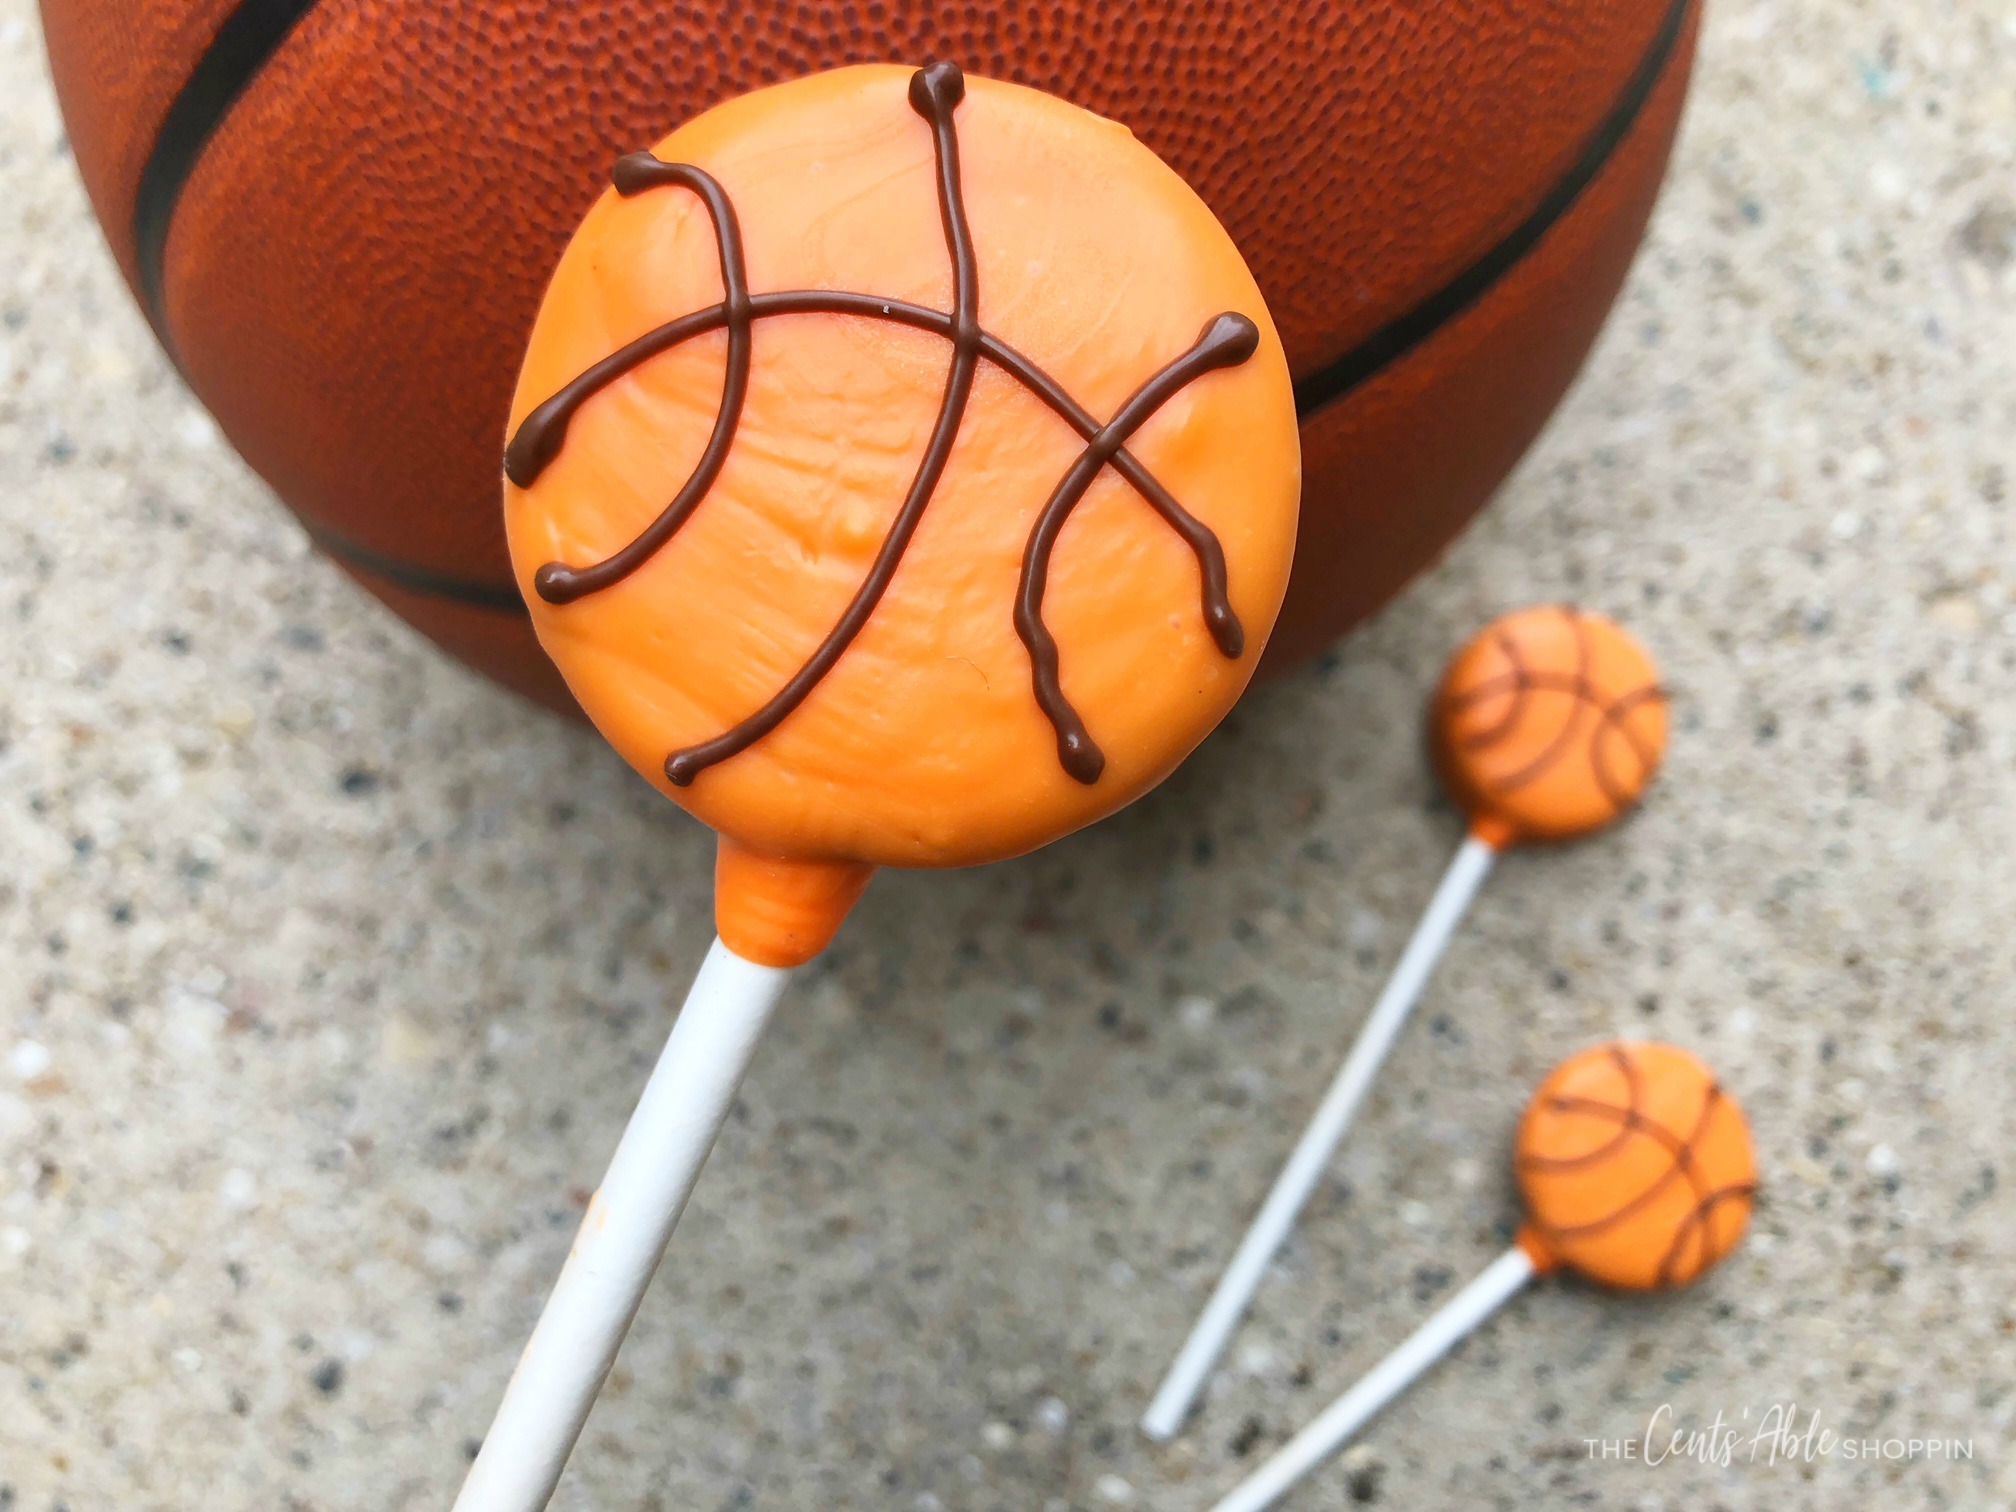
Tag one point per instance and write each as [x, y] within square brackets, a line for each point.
[1548, 726]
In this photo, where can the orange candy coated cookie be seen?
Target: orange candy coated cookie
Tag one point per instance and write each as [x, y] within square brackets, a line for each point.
[1549, 724]
[904, 471]
[1637, 1167]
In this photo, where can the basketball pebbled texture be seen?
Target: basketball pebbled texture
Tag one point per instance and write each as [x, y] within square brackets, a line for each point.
[340, 214]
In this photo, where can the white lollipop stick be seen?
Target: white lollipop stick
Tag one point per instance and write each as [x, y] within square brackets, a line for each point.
[624, 1234]
[1319, 1141]
[1335, 1425]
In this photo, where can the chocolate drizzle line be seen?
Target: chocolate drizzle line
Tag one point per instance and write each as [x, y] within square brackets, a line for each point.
[935, 94]
[1227, 341]
[560, 584]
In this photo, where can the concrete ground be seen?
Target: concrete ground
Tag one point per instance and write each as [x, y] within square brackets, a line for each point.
[327, 973]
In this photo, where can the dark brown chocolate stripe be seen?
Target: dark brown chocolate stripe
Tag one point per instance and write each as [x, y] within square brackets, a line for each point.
[935, 93]
[556, 582]
[1226, 342]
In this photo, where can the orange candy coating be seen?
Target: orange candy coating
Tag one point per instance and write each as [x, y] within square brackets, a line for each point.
[923, 746]
[1549, 724]
[1637, 1168]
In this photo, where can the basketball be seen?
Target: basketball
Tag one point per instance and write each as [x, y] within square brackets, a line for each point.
[339, 218]
[1550, 723]
[1636, 1165]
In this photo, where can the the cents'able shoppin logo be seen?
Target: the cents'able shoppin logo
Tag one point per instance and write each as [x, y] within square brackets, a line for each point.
[1227, 340]
[1781, 1433]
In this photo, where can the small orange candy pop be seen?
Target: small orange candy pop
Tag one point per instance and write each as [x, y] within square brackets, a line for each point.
[904, 471]
[1636, 1167]
[1548, 725]
[1638, 1173]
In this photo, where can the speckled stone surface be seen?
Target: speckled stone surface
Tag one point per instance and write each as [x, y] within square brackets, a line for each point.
[327, 973]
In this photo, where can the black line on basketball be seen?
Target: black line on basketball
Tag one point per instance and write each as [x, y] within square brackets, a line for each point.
[415, 578]
[247, 38]
[1401, 335]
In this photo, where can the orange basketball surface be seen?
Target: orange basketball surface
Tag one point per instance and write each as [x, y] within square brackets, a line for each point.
[339, 216]
[1636, 1166]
